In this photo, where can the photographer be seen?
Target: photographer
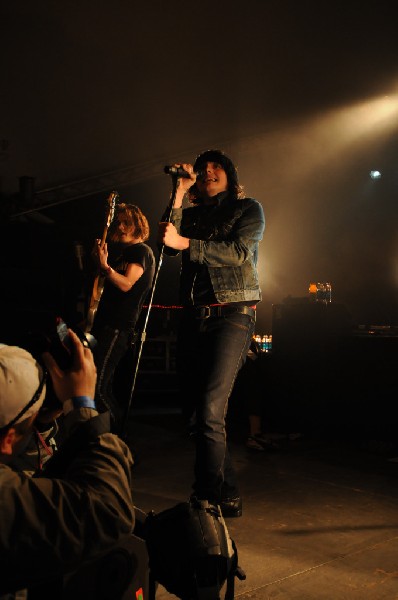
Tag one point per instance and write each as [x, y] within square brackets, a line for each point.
[81, 505]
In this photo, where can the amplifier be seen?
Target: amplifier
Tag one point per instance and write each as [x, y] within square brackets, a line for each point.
[310, 327]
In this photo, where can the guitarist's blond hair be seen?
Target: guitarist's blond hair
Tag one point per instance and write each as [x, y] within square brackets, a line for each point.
[135, 217]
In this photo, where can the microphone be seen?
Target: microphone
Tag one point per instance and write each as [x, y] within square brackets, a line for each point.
[180, 172]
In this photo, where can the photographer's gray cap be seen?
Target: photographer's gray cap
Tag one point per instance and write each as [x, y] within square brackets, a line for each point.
[20, 377]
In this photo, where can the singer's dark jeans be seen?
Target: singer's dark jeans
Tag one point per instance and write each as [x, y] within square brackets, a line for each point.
[210, 353]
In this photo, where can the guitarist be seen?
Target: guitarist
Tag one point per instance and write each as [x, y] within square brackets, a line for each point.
[127, 265]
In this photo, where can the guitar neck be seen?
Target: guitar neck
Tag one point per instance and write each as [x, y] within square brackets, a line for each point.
[99, 281]
[104, 236]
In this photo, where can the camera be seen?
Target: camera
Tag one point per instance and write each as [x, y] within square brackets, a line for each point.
[61, 346]
[53, 337]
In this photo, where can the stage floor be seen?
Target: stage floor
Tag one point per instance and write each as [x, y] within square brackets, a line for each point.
[320, 516]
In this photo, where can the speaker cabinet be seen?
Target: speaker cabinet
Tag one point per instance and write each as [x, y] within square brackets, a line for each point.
[309, 327]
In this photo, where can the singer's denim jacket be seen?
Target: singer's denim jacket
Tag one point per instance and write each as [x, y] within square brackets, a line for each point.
[225, 239]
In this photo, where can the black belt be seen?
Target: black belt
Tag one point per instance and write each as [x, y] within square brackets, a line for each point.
[203, 312]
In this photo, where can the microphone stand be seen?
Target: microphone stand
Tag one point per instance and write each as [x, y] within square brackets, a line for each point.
[142, 337]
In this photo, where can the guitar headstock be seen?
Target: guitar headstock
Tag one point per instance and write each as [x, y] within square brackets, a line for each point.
[112, 200]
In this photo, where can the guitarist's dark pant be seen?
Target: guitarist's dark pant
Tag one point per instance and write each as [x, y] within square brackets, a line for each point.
[112, 345]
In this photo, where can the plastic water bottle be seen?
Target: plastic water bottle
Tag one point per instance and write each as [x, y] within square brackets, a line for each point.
[269, 343]
[328, 292]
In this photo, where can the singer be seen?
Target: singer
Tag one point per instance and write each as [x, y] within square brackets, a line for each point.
[218, 236]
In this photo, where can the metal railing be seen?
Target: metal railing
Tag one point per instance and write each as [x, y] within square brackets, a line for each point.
[22, 204]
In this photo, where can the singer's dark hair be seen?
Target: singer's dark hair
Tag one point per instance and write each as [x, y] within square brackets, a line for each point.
[216, 156]
[134, 216]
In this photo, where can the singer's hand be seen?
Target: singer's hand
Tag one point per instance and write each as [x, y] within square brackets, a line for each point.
[167, 235]
[186, 182]
[189, 181]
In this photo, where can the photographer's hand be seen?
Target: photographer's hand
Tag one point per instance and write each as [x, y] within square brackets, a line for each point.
[80, 379]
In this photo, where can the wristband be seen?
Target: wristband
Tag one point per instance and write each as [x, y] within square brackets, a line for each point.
[78, 402]
[107, 271]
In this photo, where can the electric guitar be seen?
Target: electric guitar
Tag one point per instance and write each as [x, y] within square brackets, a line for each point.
[99, 281]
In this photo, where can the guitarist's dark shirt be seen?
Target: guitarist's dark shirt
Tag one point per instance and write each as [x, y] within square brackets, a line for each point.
[118, 309]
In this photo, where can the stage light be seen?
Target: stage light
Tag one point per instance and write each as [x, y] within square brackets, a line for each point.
[375, 174]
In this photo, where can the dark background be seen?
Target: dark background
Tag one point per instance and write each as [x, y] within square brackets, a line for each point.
[99, 95]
